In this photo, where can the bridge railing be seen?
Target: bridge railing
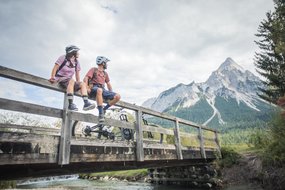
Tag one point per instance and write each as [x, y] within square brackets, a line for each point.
[68, 117]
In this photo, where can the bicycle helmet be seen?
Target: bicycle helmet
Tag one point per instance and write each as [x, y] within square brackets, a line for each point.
[102, 60]
[71, 49]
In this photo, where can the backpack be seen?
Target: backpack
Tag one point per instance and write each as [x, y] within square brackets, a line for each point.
[62, 65]
[94, 76]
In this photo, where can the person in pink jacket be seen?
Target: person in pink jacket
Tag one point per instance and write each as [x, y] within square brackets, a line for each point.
[63, 71]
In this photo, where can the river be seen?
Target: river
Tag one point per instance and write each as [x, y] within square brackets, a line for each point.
[73, 183]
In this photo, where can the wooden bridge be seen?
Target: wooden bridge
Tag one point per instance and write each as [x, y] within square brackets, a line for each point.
[37, 151]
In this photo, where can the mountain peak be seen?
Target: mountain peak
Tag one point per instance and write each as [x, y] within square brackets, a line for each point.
[230, 64]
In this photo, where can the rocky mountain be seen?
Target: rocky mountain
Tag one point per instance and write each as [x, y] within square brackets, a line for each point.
[228, 97]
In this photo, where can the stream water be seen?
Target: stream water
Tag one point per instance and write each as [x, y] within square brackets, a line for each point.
[73, 183]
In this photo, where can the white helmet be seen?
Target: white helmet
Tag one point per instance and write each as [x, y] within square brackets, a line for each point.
[102, 60]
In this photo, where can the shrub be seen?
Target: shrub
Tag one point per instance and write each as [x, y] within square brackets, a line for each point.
[229, 157]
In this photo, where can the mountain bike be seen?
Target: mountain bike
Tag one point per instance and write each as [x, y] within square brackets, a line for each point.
[106, 131]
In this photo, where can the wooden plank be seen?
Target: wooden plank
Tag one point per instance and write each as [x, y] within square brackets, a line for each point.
[28, 78]
[157, 130]
[186, 122]
[31, 129]
[177, 141]
[218, 145]
[151, 157]
[209, 139]
[33, 158]
[188, 135]
[201, 139]
[27, 138]
[190, 148]
[157, 114]
[94, 119]
[173, 118]
[128, 105]
[42, 82]
[101, 143]
[159, 146]
[64, 148]
[25, 143]
[139, 135]
[13, 105]
[74, 158]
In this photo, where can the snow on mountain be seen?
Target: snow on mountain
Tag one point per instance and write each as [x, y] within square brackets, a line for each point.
[177, 93]
[229, 81]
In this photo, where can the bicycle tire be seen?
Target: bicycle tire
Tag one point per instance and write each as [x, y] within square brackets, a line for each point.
[73, 128]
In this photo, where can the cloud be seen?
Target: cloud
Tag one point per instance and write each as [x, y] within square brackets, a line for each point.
[12, 90]
[153, 45]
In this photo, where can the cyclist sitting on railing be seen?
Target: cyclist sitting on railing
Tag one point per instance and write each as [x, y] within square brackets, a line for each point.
[63, 71]
[96, 78]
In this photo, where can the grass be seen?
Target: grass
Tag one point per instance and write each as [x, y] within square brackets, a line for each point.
[125, 174]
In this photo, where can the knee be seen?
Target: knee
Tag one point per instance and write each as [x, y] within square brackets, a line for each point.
[99, 91]
[71, 82]
[117, 97]
[83, 84]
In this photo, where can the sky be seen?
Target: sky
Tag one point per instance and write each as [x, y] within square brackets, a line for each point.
[153, 45]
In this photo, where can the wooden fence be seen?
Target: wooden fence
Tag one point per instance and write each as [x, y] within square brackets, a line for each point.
[65, 140]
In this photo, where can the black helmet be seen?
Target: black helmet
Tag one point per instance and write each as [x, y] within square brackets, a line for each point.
[71, 49]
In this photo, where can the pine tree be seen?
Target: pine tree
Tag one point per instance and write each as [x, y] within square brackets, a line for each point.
[270, 61]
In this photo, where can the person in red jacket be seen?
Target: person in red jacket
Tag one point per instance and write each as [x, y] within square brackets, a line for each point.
[97, 77]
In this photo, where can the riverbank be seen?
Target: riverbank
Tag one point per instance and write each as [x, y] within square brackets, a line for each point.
[246, 169]
[249, 170]
[200, 176]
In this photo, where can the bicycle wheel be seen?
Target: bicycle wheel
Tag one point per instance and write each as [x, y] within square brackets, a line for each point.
[127, 134]
[79, 130]
[74, 128]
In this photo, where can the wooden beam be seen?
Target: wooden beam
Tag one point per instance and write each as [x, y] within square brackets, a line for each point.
[31, 129]
[33, 158]
[218, 145]
[101, 143]
[101, 158]
[152, 157]
[28, 78]
[13, 105]
[201, 139]
[159, 146]
[139, 135]
[94, 119]
[28, 138]
[157, 130]
[64, 147]
[188, 135]
[177, 141]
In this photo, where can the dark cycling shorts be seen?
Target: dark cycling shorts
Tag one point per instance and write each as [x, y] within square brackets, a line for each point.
[107, 95]
[64, 81]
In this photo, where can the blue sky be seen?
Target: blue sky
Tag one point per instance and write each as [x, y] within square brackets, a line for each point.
[153, 44]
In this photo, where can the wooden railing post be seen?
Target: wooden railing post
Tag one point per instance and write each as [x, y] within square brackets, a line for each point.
[177, 140]
[139, 136]
[64, 148]
[218, 144]
[201, 138]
